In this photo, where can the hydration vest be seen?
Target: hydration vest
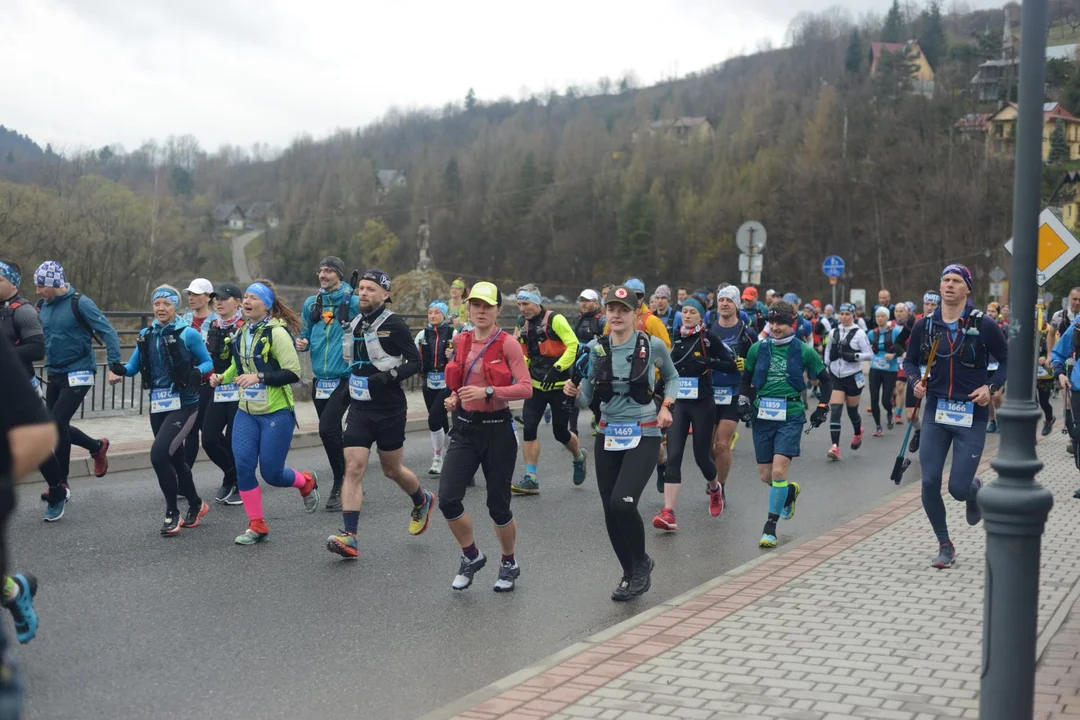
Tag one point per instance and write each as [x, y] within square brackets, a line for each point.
[543, 348]
[640, 376]
[377, 356]
[836, 348]
[970, 350]
[218, 343]
[493, 362]
[342, 310]
[589, 327]
[177, 355]
[689, 354]
[433, 346]
[262, 342]
[7, 319]
[795, 366]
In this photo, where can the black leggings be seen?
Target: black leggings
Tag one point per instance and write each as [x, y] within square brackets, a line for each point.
[436, 410]
[62, 402]
[191, 443]
[167, 454]
[81, 439]
[532, 413]
[883, 383]
[330, 412]
[1044, 389]
[217, 438]
[699, 414]
[479, 440]
[622, 477]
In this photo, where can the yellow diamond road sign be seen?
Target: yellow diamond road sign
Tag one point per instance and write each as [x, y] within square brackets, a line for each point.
[1057, 247]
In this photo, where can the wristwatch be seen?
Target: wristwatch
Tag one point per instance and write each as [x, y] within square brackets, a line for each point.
[994, 387]
[668, 403]
[261, 377]
[490, 392]
[393, 373]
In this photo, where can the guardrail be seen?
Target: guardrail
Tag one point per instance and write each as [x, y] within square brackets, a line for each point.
[129, 396]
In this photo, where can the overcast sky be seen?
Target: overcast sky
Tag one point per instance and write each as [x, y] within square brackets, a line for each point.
[94, 72]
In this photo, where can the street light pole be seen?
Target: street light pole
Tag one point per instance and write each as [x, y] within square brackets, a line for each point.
[1014, 506]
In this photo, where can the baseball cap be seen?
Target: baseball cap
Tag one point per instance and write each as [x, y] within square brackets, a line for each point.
[200, 286]
[750, 293]
[589, 294]
[635, 286]
[624, 295]
[378, 277]
[485, 292]
[226, 289]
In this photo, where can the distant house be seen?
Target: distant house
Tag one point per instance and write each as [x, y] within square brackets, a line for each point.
[387, 180]
[974, 124]
[1070, 208]
[262, 212]
[229, 215]
[1001, 136]
[994, 76]
[690, 130]
[922, 79]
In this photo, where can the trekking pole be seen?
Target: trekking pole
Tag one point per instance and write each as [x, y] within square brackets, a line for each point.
[902, 463]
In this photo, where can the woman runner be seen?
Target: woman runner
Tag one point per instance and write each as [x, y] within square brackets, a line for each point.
[218, 422]
[883, 368]
[432, 342]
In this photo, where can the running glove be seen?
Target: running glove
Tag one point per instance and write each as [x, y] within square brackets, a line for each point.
[740, 364]
[118, 369]
[820, 415]
[746, 409]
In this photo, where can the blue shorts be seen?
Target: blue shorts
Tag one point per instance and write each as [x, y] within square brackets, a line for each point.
[772, 437]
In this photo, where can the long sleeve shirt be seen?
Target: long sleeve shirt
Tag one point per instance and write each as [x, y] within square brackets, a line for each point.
[67, 343]
[622, 408]
[521, 389]
[859, 343]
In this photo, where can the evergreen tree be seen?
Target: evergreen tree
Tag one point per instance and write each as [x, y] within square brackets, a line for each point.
[1059, 149]
[470, 99]
[932, 39]
[853, 61]
[894, 29]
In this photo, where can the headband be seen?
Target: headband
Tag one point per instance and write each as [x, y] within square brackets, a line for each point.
[265, 294]
[781, 318]
[167, 293]
[10, 274]
[932, 297]
[847, 307]
[962, 271]
[529, 296]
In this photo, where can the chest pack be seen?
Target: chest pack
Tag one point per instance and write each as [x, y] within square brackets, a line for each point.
[969, 348]
[259, 352]
[492, 362]
[690, 354]
[881, 342]
[319, 312]
[838, 349]
[368, 343]
[219, 342]
[176, 357]
[640, 375]
[589, 326]
[433, 344]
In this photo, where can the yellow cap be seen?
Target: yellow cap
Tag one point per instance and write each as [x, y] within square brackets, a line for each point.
[484, 292]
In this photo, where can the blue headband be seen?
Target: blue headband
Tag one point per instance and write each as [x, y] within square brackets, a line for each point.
[265, 294]
[962, 271]
[10, 274]
[847, 307]
[696, 304]
[529, 296]
[441, 307]
[932, 297]
[168, 294]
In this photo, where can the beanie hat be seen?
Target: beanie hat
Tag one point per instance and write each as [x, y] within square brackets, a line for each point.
[50, 274]
[335, 264]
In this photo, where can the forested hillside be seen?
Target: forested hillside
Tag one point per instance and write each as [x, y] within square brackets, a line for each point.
[579, 187]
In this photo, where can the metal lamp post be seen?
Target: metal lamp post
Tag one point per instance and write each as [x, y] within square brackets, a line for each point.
[1014, 506]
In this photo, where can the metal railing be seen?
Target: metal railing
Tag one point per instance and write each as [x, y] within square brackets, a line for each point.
[128, 396]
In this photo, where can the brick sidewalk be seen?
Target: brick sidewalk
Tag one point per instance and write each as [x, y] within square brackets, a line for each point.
[852, 624]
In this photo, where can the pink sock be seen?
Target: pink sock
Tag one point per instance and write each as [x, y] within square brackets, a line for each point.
[252, 503]
[298, 479]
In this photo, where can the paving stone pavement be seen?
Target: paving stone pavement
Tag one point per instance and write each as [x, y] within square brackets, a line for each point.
[852, 624]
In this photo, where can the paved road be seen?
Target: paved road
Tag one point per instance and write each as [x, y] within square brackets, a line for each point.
[239, 259]
[194, 626]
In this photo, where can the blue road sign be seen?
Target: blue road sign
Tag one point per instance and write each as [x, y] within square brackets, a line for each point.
[833, 266]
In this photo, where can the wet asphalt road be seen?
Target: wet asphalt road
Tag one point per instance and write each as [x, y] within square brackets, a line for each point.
[138, 626]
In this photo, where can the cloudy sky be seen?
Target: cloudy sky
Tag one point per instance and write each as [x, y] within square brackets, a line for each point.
[94, 72]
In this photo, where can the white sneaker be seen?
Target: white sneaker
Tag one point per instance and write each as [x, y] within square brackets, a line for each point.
[436, 465]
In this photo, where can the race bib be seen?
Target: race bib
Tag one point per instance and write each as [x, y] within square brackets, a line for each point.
[227, 393]
[436, 380]
[1045, 373]
[254, 393]
[723, 395]
[879, 363]
[860, 381]
[358, 388]
[955, 412]
[81, 378]
[991, 367]
[164, 401]
[772, 409]
[688, 388]
[325, 388]
[621, 436]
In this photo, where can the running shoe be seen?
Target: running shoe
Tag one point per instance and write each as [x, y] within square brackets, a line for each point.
[788, 510]
[891, 423]
[194, 514]
[1076, 494]
[899, 420]
[581, 468]
[716, 501]
[547, 415]
[974, 513]
[233, 498]
[856, 440]
[1070, 448]
[333, 502]
[665, 520]
[466, 570]
[252, 536]
[768, 535]
[344, 545]
[869, 411]
[946, 556]
[878, 432]
[913, 446]
[436, 465]
[101, 458]
[172, 524]
[421, 514]
[1048, 426]
[622, 591]
[661, 473]
[55, 511]
[509, 572]
[641, 580]
[834, 452]
[528, 485]
[22, 607]
[223, 492]
[310, 491]
[991, 427]
[45, 495]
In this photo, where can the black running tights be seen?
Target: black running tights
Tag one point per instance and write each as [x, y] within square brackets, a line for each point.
[621, 478]
[699, 414]
[882, 383]
[167, 454]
